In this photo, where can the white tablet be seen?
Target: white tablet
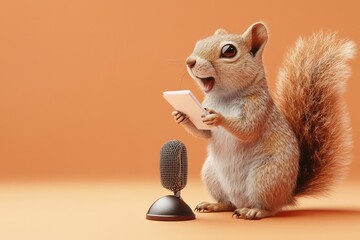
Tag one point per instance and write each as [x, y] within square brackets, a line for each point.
[184, 101]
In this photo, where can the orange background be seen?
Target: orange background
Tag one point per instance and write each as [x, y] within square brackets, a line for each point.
[82, 119]
[81, 81]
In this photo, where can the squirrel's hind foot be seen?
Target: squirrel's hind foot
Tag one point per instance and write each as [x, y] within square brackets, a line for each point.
[214, 207]
[252, 213]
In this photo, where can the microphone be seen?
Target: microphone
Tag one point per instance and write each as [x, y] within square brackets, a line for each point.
[173, 166]
[173, 175]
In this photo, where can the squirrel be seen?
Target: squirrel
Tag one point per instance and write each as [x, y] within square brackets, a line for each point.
[264, 152]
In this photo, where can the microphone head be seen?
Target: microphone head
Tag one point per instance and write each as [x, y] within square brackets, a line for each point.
[173, 165]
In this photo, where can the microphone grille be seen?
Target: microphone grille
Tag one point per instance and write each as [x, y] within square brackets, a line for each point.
[173, 165]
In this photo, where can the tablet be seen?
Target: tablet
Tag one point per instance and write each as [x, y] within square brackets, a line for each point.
[185, 102]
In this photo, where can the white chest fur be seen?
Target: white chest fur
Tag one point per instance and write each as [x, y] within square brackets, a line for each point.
[231, 158]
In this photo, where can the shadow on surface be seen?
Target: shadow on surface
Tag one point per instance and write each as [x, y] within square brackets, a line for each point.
[319, 213]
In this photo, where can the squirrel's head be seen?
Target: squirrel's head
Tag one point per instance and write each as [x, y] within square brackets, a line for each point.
[224, 63]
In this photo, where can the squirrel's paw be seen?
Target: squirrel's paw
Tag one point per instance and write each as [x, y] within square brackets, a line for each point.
[252, 213]
[179, 117]
[213, 207]
[213, 119]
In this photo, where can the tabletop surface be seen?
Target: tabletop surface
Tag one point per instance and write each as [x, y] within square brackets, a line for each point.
[117, 209]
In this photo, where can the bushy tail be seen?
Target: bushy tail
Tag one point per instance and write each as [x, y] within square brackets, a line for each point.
[309, 93]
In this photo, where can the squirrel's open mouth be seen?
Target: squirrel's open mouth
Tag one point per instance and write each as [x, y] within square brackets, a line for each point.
[208, 83]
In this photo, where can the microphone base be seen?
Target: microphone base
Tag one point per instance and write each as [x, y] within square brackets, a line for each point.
[170, 208]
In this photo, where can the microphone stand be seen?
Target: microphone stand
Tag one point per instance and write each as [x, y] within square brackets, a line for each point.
[177, 194]
[170, 208]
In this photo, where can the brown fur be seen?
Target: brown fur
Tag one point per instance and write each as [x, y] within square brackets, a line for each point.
[309, 93]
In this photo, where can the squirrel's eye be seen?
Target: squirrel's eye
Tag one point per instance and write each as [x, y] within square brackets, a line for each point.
[228, 51]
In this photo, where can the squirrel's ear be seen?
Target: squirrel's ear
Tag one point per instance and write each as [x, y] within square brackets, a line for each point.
[220, 32]
[255, 38]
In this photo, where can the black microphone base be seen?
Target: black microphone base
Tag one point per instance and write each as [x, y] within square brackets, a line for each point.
[170, 208]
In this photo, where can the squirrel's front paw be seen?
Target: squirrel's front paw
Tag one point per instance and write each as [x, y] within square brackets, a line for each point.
[213, 119]
[180, 117]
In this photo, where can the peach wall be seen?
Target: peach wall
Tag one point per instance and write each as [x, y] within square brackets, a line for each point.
[81, 81]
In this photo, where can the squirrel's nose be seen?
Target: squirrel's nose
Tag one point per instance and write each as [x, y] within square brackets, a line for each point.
[190, 62]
